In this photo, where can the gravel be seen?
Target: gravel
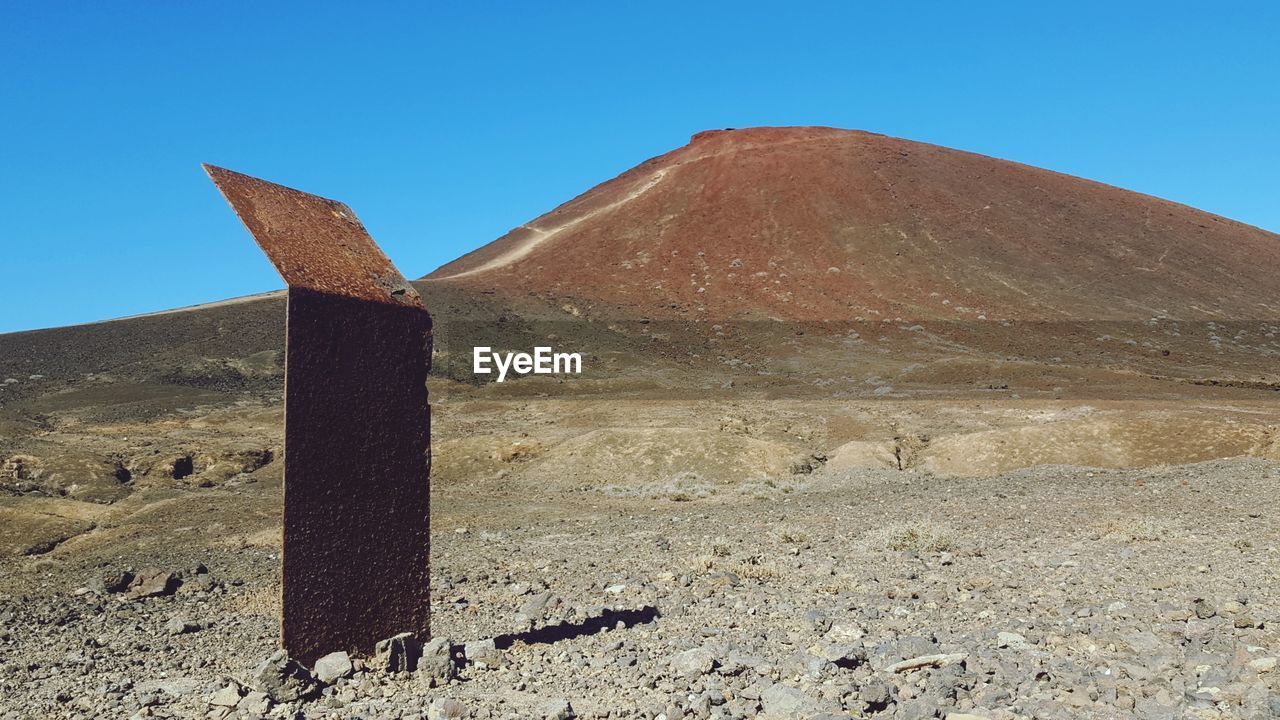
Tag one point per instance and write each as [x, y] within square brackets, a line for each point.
[1052, 593]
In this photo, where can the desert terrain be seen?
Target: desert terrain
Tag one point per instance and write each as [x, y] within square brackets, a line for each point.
[866, 428]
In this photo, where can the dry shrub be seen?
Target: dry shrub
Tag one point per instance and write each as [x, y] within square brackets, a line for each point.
[263, 601]
[683, 487]
[756, 568]
[791, 536]
[1136, 529]
[924, 536]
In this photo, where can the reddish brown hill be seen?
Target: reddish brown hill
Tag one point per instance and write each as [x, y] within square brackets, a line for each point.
[817, 223]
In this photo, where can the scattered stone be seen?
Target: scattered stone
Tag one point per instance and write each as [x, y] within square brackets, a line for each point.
[937, 661]
[692, 663]
[153, 583]
[179, 626]
[805, 635]
[1263, 664]
[110, 581]
[1243, 620]
[398, 653]
[846, 655]
[1203, 631]
[283, 679]
[558, 709]
[787, 702]
[924, 706]
[254, 703]
[333, 666]
[1012, 640]
[1202, 609]
[906, 646]
[446, 709]
[536, 606]
[876, 694]
[483, 652]
[228, 696]
[200, 582]
[436, 662]
[720, 579]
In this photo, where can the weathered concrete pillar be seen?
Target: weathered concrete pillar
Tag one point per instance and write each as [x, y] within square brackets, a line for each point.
[357, 425]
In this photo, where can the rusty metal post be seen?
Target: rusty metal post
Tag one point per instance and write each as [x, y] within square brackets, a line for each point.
[357, 424]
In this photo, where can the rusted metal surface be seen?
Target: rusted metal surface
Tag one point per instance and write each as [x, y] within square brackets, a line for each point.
[315, 243]
[357, 425]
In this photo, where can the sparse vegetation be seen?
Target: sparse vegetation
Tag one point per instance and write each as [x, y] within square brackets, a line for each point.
[1136, 530]
[924, 536]
[684, 487]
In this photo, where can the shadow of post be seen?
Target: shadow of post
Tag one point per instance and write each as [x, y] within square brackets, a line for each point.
[568, 631]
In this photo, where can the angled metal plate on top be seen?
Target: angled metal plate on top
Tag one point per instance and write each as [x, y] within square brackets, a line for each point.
[314, 242]
[357, 425]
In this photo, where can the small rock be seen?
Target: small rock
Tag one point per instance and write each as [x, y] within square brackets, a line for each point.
[445, 709]
[1230, 607]
[110, 581]
[558, 709]
[1012, 640]
[283, 679]
[1263, 664]
[787, 702]
[483, 652]
[845, 632]
[692, 663]
[178, 626]
[200, 582]
[1198, 630]
[535, 606]
[1203, 610]
[255, 703]
[153, 583]
[925, 706]
[1243, 620]
[846, 655]
[397, 654]
[723, 578]
[938, 660]
[876, 694]
[436, 662]
[818, 619]
[333, 666]
[906, 646]
[228, 696]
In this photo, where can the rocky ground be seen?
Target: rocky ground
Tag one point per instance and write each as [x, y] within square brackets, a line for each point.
[1056, 592]
[836, 527]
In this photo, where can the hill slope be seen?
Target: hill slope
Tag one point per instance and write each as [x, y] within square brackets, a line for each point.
[822, 224]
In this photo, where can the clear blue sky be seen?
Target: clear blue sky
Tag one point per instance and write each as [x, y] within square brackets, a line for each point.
[445, 127]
